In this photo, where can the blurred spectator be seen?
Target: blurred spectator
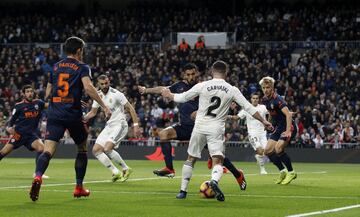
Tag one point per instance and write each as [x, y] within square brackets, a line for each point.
[200, 43]
[318, 141]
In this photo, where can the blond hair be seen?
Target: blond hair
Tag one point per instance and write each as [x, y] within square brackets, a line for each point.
[267, 80]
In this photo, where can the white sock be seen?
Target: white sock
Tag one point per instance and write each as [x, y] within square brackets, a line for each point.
[104, 159]
[217, 172]
[260, 159]
[115, 156]
[186, 175]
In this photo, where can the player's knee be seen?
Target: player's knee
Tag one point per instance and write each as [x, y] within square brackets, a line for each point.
[279, 149]
[97, 149]
[260, 151]
[163, 135]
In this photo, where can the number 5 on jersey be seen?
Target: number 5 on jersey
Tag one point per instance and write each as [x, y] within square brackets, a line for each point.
[63, 85]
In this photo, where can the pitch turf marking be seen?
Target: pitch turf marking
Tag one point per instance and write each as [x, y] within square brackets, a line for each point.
[195, 194]
[325, 211]
[143, 179]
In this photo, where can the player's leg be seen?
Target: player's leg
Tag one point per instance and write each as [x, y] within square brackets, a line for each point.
[186, 172]
[260, 158]
[216, 149]
[238, 174]
[165, 136]
[98, 151]
[196, 144]
[7, 149]
[259, 151]
[280, 150]
[38, 146]
[275, 159]
[113, 143]
[78, 133]
[41, 166]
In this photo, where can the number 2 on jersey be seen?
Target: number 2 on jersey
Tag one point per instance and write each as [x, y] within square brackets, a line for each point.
[62, 82]
[214, 106]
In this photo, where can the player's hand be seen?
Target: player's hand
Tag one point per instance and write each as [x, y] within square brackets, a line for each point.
[10, 130]
[286, 134]
[136, 131]
[83, 104]
[107, 113]
[268, 126]
[193, 115]
[142, 89]
[166, 93]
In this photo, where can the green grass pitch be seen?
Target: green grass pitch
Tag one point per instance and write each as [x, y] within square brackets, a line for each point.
[318, 187]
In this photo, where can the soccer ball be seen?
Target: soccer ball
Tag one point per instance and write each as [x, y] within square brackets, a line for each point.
[206, 191]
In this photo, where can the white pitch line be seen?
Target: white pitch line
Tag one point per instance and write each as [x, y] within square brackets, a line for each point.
[325, 211]
[228, 195]
[140, 179]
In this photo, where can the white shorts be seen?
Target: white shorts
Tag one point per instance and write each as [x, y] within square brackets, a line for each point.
[258, 141]
[198, 141]
[113, 133]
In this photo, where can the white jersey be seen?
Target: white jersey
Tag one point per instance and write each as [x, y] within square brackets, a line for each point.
[215, 97]
[115, 100]
[254, 126]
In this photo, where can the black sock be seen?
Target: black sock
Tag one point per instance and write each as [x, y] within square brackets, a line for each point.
[1, 156]
[37, 158]
[231, 167]
[286, 160]
[276, 160]
[42, 163]
[80, 167]
[166, 150]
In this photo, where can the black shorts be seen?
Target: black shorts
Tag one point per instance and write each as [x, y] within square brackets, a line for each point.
[18, 140]
[276, 135]
[55, 130]
[183, 132]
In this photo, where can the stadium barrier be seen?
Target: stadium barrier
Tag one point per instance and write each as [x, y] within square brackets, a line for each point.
[148, 149]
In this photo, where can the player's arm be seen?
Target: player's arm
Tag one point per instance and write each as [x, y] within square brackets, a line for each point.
[129, 108]
[92, 113]
[185, 96]
[288, 114]
[48, 91]
[91, 91]
[151, 90]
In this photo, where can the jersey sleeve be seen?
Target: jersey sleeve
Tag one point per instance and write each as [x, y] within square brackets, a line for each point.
[41, 104]
[95, 104]
[188, 95]
[85, 71]
[173, 88]
[265, 111]
[241, 100]
[121, 97]
[241, 114]
[280, 102]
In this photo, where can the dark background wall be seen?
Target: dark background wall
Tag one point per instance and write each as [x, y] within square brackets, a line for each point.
[234, 153]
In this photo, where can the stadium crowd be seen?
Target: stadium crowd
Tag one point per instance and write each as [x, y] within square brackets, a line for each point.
[319, 86]
[42, 22]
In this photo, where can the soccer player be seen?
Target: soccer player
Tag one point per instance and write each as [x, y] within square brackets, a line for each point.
[25, 116]
[66, 83]
[257, 132]
[215, 97]
[182, 130]
[115, 130]
[284, 131]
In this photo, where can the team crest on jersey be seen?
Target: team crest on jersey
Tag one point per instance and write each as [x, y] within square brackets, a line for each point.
[36, 107]
[12, 140]
[272, 106]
